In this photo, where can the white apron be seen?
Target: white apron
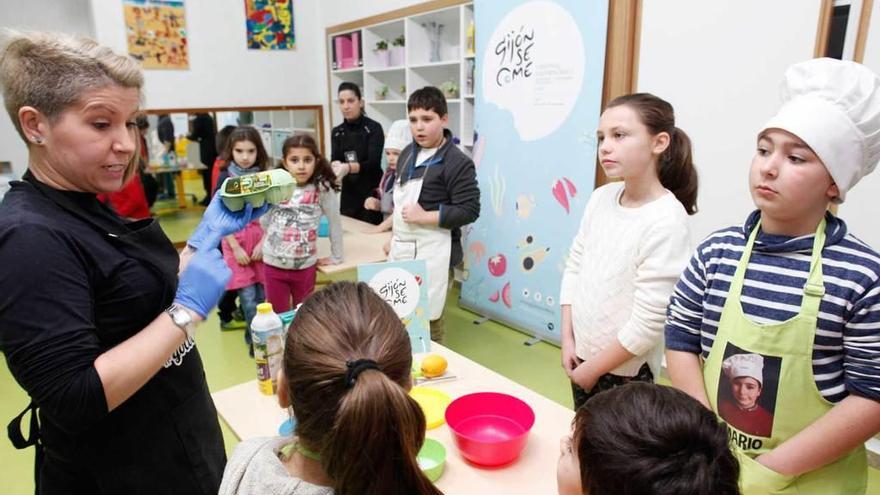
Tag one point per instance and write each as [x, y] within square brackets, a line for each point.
[421, 242]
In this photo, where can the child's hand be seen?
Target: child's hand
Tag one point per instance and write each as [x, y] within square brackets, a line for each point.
[257, 255]
[372, 204]
[583, 377]
[570, 360]
[240, 256]
[387, 246]
[413, 213]
[326, 261]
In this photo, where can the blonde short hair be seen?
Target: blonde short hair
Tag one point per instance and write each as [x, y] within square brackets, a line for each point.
[52, 71]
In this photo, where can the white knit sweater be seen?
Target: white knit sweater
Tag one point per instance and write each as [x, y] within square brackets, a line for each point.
[620, 273]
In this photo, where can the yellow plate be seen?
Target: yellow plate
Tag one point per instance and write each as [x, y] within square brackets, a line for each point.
[433, 403]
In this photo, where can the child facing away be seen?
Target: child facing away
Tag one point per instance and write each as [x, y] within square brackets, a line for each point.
[435, 194]
[791, 299]
[632, 243]
[399, 136]
[346, 373]
[646, 439]
[290, 249]
[245, 155]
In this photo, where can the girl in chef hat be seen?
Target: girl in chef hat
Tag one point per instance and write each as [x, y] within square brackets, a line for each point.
[793, 283]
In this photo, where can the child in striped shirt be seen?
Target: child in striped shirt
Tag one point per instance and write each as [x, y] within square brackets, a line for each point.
[781, 315]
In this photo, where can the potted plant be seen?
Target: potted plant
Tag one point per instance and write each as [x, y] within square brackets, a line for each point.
[449, 89]
[403, 91]
[382, 53]
[382, 92]
[397, 51]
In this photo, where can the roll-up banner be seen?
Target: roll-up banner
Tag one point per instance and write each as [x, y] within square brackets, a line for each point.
[540, 67]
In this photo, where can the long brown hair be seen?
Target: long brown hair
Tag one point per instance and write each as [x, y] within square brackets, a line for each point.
[676, 169]
[323, 175]
[368, 432]
[246, 133]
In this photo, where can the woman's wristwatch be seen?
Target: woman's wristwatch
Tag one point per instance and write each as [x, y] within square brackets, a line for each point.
[183, 319]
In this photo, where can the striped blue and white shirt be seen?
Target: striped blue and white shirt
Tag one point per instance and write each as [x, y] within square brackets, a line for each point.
[846, 349]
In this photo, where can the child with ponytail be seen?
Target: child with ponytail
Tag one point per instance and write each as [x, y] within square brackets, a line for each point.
[632, 244]
[345, 375]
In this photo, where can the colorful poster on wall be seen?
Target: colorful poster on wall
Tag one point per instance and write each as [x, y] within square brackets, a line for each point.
[403, 285]
[156, 32]
[270, 24]
[540, 67]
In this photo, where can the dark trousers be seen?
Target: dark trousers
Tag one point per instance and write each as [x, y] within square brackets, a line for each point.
[607, 382]
[227, 306]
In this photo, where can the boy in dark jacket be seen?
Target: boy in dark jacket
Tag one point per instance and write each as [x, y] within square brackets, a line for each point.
[435, 194]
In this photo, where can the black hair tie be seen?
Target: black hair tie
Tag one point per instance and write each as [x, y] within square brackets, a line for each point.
[357, 367]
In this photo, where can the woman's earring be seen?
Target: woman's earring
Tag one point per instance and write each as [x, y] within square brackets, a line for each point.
[37, 139]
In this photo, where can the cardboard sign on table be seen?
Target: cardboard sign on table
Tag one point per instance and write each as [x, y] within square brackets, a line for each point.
[403, 285]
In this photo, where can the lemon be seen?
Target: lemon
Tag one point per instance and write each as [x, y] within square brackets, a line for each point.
[433, 366]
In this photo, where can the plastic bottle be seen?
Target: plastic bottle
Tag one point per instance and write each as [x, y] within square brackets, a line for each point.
[268, 340]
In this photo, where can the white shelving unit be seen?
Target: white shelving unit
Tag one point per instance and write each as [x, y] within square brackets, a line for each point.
[412, 67]
[277, 125]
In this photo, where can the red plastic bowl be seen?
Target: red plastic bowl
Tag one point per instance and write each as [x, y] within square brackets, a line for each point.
[489, 428]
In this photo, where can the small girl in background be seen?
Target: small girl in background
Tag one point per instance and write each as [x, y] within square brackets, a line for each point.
[218, 168]
[346, 373]
[632, 244]
[245, 155]
[290, 250]
[227, 308]
[398, 137]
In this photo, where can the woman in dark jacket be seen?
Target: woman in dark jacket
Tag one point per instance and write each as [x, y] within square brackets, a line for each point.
[97, 314]
[356, 154]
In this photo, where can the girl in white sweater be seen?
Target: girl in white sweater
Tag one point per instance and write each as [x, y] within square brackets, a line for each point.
[632, 244]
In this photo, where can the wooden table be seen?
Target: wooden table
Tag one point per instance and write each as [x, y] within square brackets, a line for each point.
[250, 414]
[157, 169]
[359, 246]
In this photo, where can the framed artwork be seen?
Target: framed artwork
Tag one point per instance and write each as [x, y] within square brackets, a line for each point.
[270, 24]
[156, 33]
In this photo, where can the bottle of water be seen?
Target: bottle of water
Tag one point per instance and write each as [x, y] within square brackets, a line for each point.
[268, 340]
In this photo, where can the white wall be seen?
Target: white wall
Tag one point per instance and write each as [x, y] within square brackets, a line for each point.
[42, 15]
[341, 11]
[859, 210]
[223, 72]
[720, 65]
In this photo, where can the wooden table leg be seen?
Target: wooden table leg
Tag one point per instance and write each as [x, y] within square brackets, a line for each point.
[181, 195]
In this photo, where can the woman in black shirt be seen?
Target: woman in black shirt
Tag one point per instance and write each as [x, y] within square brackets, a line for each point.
[95, 323]
[356, 154]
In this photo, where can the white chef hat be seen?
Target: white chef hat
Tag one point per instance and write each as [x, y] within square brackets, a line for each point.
[751, 365]
[834, 107]
[399, 135]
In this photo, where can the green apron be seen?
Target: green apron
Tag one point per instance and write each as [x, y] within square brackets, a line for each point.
[787, 351]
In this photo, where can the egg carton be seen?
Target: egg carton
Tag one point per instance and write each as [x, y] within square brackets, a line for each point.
[273, 186]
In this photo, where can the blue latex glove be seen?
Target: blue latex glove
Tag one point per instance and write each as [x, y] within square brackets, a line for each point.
[203, 281]
[218, 222]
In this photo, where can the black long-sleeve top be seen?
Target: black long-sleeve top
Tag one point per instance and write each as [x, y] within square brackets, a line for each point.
[203, 131]
[450, 187]
[365, 137]
[70, 293]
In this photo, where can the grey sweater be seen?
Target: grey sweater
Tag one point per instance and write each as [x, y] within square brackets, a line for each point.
[255, 468]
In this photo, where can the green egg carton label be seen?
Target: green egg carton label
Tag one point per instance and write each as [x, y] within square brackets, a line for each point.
[248, 184]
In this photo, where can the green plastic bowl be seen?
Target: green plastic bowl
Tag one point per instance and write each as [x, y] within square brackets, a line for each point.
[432, 459]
